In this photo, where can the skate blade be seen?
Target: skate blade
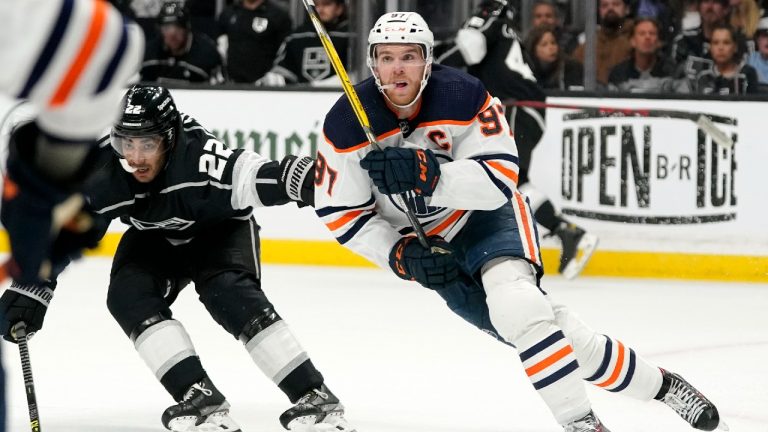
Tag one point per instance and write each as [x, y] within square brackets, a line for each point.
[586, 248]
[722, 426]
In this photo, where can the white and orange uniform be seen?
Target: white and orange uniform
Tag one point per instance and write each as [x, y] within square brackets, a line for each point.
[71, 59]
[457, 120]
[476, 206]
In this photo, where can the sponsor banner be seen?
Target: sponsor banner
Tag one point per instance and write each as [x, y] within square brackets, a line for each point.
[657, 175]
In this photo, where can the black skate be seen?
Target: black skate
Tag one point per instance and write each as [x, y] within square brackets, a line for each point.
[319, 410]
[578, 247]
[690, 404]
[203, 409]
[588, 423]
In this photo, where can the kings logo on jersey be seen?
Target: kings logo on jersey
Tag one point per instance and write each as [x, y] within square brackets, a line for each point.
[259, 24]
[315, 64]
[173, 223]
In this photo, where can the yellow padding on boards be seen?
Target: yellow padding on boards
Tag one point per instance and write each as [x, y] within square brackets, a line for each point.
[660, 265]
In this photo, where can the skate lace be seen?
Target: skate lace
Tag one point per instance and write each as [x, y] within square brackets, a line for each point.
[311, 395]
[199, 387]
[685, 401]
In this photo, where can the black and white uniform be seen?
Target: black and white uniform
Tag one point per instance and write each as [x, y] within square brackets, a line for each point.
[200, 62]
[491, 50]
[302, 58]
[252, 39]
[193, 223]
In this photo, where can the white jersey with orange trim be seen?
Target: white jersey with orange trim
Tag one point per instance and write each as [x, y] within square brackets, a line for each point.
[457, 120]
[71, 59]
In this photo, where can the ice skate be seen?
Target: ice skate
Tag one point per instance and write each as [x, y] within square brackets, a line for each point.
[578, 247]
[317, 411]
[203, 409]
[588, 423]
[690, 404]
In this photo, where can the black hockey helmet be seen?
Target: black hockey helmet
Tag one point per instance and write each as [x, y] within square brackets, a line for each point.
[174, 12]
[147, 111]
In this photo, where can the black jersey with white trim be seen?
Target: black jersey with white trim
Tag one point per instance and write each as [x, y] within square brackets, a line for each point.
[198, 188]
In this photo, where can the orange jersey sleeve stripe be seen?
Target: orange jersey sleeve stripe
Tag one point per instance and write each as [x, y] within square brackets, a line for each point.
[616, 370]
[506, 171]
[333, 226]
[98, 19]
[549, 361]
[526, 226]
[362, 144]
[446, 223]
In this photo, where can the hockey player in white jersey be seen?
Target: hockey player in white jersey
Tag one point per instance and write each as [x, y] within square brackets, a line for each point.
[71, 60]
[448, 148]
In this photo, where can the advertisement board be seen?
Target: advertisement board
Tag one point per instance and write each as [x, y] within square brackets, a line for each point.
[665, 199]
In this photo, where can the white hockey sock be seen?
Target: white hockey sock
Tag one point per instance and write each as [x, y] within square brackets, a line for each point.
[164, 345]
[521, 314]
[606, 362]
[276, 351]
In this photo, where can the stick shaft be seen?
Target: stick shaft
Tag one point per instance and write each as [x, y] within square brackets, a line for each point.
[29, 383]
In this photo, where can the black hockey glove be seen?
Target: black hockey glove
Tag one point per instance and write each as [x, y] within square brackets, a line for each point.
[297, 179]
[37, 212]
[411, 261]
[27, 303]
[395, 170]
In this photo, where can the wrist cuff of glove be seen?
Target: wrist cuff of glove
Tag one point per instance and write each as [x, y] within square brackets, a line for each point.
[294, 174]
[40, 293]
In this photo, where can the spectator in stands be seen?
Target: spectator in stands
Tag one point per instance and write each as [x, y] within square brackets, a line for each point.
[250, 32]
[552, 69]
[745, 16]
[546, 12]
[301, 58]
[759, 58]
[648, 70]
[692, 46]
[179, 54]
[145, 14]
[667, 13]
[613, 45]
[727, 76]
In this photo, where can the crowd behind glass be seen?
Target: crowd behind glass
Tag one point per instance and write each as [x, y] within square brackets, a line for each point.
[642, 46]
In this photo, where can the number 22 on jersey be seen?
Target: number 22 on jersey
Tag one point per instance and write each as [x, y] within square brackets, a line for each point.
[215, 160]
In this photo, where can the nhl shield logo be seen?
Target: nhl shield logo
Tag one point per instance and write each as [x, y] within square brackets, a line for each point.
[315, 64]
[259, 24]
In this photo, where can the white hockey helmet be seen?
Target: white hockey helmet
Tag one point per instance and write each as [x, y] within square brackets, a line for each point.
[401, 28]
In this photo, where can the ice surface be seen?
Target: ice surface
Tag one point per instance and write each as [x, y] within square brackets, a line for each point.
[400, 361]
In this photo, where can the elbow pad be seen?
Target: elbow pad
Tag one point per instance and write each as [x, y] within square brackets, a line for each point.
[472, 45]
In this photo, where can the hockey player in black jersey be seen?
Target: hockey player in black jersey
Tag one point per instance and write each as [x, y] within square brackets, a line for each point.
[301, 58]
[188, 200]
[488, 46]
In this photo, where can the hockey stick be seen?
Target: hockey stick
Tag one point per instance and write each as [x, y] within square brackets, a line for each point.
[362, 117]
[703, 121]
[20, 333]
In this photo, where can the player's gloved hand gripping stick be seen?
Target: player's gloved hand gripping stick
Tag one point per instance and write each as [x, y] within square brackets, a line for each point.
[362, 117]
